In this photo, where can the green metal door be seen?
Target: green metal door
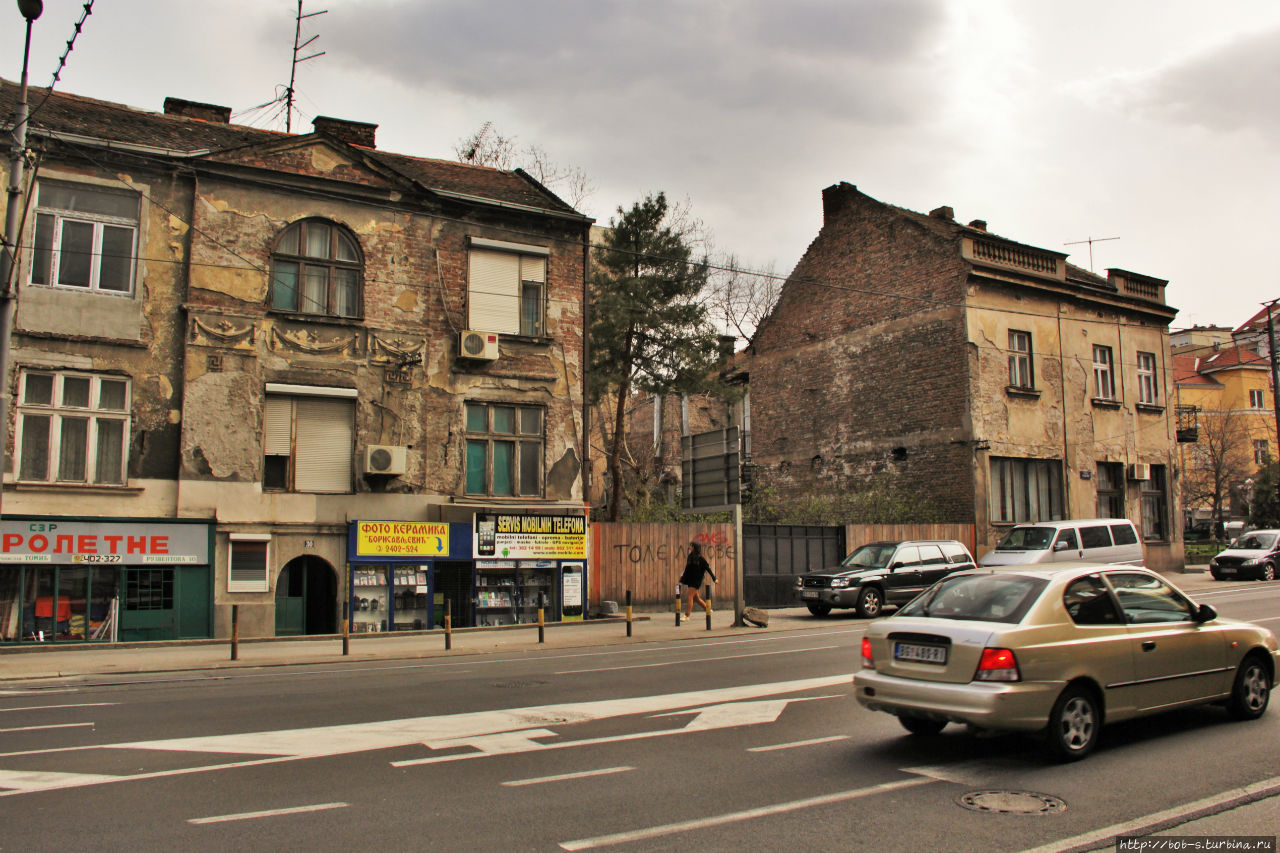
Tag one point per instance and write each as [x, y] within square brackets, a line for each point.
[291, 601]
[193, 602]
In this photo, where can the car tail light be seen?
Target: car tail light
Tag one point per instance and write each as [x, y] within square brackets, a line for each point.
[868, 662]
[997, 665]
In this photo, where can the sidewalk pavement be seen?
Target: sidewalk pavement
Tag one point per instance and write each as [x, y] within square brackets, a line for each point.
[53, 661]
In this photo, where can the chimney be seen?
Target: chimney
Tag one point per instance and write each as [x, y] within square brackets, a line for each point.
[978, 225]
[835, 199]
[724, 347]
[943, 212]
[193, 109]
[351, 132]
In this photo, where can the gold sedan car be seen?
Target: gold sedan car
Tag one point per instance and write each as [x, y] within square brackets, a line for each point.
[1062, 651]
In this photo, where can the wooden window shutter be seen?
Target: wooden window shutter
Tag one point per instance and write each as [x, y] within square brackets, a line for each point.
[277, 427]
[494, 292]
[325, 445]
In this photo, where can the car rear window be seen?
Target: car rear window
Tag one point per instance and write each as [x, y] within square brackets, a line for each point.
[982, 598]
[956, 553]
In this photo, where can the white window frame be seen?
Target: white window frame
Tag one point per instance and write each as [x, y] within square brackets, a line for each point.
[1257, 398]
[1104, 377]
[1148, 388]
[58, 413]
[1021, 373]
[1261, 451]
[500, 278]
[49, 217]
[319, 446]
[251, 579]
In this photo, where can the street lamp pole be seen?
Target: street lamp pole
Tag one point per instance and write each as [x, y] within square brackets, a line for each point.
[30, 10]
[1275, 380]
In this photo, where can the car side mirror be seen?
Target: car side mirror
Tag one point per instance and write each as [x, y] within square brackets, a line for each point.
[894, 566]
[1205, 613]
[1060, 545]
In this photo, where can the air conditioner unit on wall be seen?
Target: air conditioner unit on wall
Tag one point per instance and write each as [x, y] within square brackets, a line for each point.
[1139, 471]
[385, 459]
[482, 346]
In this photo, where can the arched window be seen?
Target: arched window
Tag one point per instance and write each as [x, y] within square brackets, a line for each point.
[316, 269]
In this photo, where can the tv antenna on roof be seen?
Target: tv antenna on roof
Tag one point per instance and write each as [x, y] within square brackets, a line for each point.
[293, 70]
[1090, 241]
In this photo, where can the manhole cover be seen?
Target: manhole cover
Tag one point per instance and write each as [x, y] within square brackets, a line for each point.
[1011, 802]
[506, 684]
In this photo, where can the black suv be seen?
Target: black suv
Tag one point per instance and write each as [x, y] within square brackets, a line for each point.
[881, 573]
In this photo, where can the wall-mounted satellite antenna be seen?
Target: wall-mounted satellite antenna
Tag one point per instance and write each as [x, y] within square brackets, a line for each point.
[293, 69]
[1090, 241]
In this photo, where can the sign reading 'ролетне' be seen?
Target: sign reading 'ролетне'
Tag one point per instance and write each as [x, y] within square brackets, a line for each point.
[129, 544]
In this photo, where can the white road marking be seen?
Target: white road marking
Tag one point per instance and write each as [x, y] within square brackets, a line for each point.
[797, 744]
[49, 726]
[38, 780]
[269, 813]
[565, 777]
[1188, 811]
[57, 707]
[497, 731]
[737, 817]
[684, 661]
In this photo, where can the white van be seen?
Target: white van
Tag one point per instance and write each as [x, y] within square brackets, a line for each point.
[1078, 540]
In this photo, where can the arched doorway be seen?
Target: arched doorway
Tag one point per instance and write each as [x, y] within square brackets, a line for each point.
[306, 598]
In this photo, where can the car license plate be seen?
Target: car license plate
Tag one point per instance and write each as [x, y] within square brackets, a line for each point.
[810, 593]
[919, 654]
[1226, 571]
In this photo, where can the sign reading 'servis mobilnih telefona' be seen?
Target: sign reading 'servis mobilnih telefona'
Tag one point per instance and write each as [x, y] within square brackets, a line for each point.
[126, 544]
[408, 539]
[531, 537]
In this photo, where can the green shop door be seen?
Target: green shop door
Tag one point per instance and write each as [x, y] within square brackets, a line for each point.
[306, 598]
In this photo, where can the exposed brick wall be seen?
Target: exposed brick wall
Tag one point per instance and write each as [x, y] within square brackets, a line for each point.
[861, 374]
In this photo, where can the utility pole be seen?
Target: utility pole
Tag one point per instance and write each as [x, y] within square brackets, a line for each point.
[1275, 379]
[30, 10]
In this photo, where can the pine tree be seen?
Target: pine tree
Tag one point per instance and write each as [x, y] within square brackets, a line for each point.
[649, 330]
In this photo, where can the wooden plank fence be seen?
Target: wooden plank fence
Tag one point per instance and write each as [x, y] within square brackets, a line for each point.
[648, 558]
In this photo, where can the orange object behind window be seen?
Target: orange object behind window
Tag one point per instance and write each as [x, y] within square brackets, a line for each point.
[44, 608]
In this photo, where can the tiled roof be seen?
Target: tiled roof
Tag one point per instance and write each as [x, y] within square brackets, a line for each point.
[1186, 371]
[1232, 357]
[87, 117]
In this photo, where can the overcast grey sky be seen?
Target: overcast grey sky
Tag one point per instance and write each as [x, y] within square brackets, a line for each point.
[1155, 121]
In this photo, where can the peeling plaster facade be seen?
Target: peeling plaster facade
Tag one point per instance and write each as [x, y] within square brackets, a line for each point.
[200, 342]
[887, 360]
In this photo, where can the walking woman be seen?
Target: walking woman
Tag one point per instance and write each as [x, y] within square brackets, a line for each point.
[691, 579]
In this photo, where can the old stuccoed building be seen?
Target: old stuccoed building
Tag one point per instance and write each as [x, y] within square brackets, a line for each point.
[292, 374]
[981, 380]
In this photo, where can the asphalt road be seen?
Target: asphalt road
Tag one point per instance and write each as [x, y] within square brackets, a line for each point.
[725, 743]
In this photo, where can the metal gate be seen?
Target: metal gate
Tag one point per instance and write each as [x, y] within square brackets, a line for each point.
[773, 554]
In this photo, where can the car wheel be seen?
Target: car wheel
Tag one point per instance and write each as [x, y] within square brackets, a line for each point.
[1074, 723]
[819, 609]
[921, 725]
[1251, 690]
[870, 602]
[1268, 572]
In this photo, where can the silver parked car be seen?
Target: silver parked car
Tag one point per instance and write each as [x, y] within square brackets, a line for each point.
[1059, 650]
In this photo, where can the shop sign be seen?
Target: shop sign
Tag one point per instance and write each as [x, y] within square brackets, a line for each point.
[103, 543]
[409, 539]
[531, 537]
